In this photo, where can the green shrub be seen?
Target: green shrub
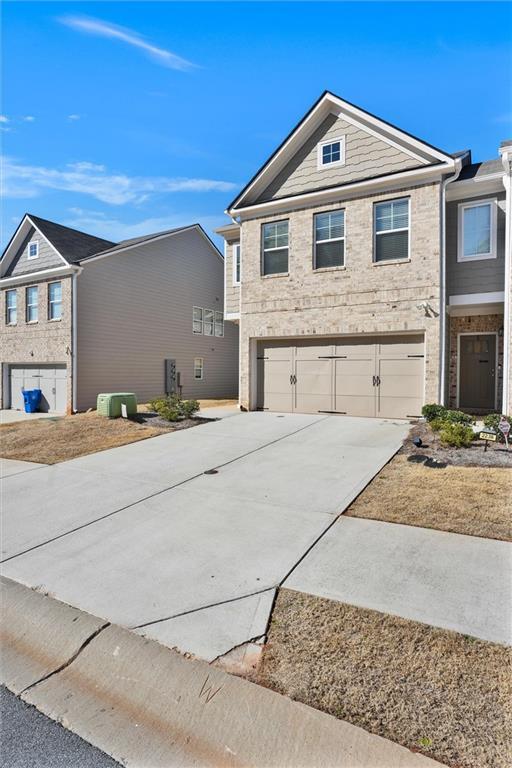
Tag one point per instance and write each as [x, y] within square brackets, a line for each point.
[492, 420]
[458, 417]
[456, 434]
[437, 424]
[173, 408]
[433, 411]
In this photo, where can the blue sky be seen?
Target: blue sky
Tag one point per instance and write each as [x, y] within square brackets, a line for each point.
[125, 118]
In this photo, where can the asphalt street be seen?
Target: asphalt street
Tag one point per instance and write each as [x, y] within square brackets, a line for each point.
[28, 739]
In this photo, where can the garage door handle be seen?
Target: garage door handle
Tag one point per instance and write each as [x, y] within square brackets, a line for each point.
[378, 380]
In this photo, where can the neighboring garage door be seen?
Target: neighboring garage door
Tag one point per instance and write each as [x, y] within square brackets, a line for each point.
[377, 376]
[50, 379]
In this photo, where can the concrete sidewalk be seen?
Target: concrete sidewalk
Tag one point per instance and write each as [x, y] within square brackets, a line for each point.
[149, 707]
[456, 582]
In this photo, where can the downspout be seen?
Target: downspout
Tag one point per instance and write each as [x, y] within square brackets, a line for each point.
[442, 283]
[506, 157]
[74, 336]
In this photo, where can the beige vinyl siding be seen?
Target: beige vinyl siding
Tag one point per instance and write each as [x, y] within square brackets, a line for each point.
[479, 276]
[135, 310]
[22, 265]
[232, 304]
[365, 156]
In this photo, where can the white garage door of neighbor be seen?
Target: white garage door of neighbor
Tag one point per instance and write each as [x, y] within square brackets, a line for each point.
[379, 376]
[50, 379]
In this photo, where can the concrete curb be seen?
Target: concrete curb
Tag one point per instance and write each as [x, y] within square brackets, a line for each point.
[149, 707]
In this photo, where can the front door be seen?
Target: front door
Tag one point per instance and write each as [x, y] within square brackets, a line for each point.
[477, 372]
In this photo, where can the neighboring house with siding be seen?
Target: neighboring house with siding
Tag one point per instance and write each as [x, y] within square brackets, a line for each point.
[82, 315]
[369, 272]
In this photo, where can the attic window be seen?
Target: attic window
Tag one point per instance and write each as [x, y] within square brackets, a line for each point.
[331, 152]
[33, 250]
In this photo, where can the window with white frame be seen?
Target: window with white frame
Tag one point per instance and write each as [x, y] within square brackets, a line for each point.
[32, 304]
[197, 319]
[198, 367]
[236, 263]
[329, 239]
[11, 307]
[275, 248]
[54, 301]
[219, 323]
[391, 230]
[477, 230]
[33, 249]
[331, 152]
[208, 322]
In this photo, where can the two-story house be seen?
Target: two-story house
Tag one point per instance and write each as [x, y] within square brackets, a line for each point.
[369, 272]
[81, 315]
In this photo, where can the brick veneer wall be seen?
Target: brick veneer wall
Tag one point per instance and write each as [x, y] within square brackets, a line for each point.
[474, 324]
[47, 341]
[362, 297]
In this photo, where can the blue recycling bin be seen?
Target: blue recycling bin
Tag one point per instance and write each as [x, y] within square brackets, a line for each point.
[31, 398]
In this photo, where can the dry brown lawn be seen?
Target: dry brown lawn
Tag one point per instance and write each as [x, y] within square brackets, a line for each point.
[215, 403]
[432, 690]
[48, 441]
[470, 500]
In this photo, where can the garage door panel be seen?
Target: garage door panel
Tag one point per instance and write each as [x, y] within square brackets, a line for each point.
[401, 378]
[398, 407]
[50, 379]
[313, 390]
[400, 347]
[353, 387]
[363, 348]
[313, 351]
[276, 392]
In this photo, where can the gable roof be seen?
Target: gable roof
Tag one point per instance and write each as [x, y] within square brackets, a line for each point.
[328, 102]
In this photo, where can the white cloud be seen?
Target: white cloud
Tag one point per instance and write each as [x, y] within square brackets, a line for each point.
[73, 118]
[111, 228]
[28, 118]
[131, 37]
[91, 179]
[4, 119]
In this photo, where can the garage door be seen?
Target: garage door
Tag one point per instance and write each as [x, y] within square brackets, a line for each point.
[50, 379]
[361, 376]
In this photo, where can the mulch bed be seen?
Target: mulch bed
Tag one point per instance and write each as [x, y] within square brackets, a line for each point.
[474, 456]
[431, 690]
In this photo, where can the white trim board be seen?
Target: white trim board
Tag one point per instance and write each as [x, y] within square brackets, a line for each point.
[462, 299]
[479, 333]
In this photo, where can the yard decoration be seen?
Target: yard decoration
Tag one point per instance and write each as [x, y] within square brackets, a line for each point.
[488, 435]
[504, 427]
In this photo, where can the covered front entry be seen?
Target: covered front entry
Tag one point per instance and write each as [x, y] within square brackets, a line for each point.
[50, 379]
[358, 376]
[477, 371]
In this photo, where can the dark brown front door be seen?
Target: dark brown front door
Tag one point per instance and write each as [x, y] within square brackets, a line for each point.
[477, 372]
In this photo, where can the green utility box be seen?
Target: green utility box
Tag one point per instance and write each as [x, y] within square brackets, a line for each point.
[109, 404]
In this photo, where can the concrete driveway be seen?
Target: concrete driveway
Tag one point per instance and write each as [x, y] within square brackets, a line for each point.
[141, 536]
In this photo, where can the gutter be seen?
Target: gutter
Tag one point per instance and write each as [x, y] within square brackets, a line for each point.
[30, 277]
[506, 157]
[442, 283]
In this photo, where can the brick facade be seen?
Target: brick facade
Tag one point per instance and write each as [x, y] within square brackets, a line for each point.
[361, 297]
[474, 324]
[47, 341]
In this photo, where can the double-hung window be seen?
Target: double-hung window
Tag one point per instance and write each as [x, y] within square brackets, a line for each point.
[54, 301]
[197, 319]
[236, 264]
[198, 368]
[32, 304]
[275, 248]
[392, 230]
[477, 230]
[329, 239]
[11, 307]
[208, 322]
[33, 249]
[219, 323]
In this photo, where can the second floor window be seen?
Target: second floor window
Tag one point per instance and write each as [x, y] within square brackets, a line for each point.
[197, 320]
[477, 230]
[208, 322]
[275, 248]
[236, 264]
[11, 307]
[329, 239]
[392, 230]
[54, 301]
[219, 324]
[32, 302]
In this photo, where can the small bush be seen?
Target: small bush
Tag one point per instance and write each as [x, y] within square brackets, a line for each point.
[492, 420]
[437, 424]
[458, 417]
[433, 411]
[173, 408]
[456, 434]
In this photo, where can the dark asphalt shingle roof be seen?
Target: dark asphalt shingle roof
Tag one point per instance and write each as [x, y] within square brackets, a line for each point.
[478, 170]
[72, 244]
